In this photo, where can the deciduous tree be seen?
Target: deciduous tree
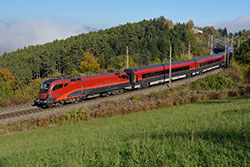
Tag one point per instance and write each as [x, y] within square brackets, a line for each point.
[7, 81]
[89, 64]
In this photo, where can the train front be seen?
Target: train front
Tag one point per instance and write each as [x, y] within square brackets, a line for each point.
[44, 94]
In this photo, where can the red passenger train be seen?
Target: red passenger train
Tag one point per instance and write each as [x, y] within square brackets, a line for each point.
[55, 92]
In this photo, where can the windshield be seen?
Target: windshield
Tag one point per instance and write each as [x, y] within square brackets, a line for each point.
[45, 87]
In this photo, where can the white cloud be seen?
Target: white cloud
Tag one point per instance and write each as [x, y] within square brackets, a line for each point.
[234, 25]
[32, 32]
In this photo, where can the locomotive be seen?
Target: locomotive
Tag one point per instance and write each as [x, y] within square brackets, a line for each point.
[55, 92]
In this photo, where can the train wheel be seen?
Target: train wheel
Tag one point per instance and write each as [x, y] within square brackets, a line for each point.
[48, 106]
[60, 103]
[145, 85]
[115, 92]
[105, 94]
[76, 100]
[121, 91]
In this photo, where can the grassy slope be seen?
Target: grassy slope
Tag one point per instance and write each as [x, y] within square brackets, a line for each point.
[213, 133]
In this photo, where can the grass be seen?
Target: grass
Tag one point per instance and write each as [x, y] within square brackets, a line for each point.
[212, 133]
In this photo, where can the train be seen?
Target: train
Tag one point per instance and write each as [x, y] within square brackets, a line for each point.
[56, 92]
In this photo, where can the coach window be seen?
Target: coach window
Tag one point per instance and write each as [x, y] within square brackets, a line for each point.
[180, 69]
[57, 87]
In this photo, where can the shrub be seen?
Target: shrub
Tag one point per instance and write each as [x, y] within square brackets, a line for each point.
[6, 90]
[136, 97]
[215, 82]
[30, 91]
[239, 72]
[20, 100]
[222, 95]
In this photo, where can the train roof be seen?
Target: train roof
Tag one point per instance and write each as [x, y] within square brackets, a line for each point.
[82, 76]
[50, 80]
[159, 65]
[204, 57]
[177, 62]
[143, 67]
[90, 75]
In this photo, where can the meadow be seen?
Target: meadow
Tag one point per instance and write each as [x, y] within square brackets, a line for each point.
[211, 133]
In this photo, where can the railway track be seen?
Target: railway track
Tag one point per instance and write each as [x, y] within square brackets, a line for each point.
[19, 113]
[23, 112]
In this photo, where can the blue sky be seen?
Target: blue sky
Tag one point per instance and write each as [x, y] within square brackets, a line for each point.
[107, 13]
[31, 22]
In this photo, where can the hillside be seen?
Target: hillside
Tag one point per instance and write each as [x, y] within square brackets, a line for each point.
[243, 53]
[148, 41]
[212, 133]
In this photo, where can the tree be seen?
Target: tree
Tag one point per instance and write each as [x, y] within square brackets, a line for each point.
[119, 62]
[7, 81]
[6, 76]
[190, 24]
[157, 60]
[225, 32]
[89, 64]
[244, 52]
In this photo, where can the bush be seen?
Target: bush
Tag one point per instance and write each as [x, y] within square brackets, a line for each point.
[21, 95]
[239, 72]
[1, 102]
[136, 97]
[6, 91]
[215, 82]
[30, 91]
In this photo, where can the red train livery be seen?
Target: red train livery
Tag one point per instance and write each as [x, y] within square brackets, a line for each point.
[55, 92]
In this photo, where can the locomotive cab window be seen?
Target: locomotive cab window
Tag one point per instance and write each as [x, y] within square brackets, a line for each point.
[124, 76]
[45, 87]
[57, 87]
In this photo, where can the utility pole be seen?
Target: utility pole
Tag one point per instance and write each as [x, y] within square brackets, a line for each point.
[239, 42]
[212, 45]
[228, 56]
[127, 56]
[225, 58]
[170, 66]
[189, 51]
[209, 41]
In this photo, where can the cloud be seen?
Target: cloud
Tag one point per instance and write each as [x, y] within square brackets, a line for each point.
[234, 25]
[32, 32]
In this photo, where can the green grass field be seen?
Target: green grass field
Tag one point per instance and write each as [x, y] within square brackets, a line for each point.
[212, 133]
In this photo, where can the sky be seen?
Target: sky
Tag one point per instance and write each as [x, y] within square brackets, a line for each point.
[31, 22]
